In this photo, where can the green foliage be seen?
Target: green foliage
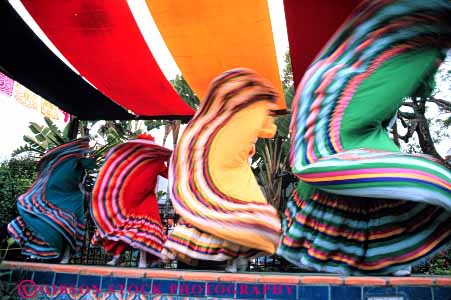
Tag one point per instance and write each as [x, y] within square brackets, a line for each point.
[161, 194]
[438, 265]
[283, 122]
[184, 90]
[272, 167]
[109, 135]
[44, 138]
[287, 79]
[119, 131]
[4, 251]
[16, 176]
[155, 124]
[271, 156]
[7, 290]
[114, 133]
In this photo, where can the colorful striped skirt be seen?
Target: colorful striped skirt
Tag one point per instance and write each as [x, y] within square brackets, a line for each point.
[124, 204]
[51, 212]
[225, 215]
[361, 206]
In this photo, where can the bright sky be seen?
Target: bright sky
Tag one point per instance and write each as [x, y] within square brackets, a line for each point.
[14, 118]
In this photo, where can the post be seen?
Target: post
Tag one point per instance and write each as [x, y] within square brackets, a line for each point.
[73, 127]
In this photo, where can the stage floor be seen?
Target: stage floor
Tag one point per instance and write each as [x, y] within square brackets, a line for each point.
[56, 281]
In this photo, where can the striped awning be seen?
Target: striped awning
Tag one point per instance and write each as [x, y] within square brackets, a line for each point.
[26, 59]
[208, 37]
[95, 59]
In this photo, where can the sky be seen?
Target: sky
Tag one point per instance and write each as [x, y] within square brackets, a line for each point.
[14, 118]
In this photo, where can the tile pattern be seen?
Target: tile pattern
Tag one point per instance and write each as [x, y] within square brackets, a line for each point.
[42, 282]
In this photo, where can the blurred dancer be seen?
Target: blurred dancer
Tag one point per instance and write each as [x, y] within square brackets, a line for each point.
[52, 220]
[124, 205]
[224, 214]
[361, 206]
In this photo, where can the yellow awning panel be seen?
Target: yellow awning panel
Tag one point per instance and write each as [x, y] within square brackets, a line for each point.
[208, 37]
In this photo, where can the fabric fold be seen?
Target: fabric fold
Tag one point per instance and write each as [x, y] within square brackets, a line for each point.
[361, 206]
[52, 210]
[124, 204]
[212, 187]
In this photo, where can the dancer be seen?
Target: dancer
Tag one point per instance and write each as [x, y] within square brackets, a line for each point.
[124, 204]
[52, 219]
[361, 206]
[224, 215]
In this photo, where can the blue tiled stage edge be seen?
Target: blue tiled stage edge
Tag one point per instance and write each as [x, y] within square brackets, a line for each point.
[56, 286]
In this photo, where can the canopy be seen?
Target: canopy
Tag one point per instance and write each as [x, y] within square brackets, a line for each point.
[207, 38]
[101, 39]
[115, 74]
[310, 24]
[27, 60]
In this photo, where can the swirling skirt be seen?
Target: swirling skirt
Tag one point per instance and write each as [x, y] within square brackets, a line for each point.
[356, 235]
[190, 245]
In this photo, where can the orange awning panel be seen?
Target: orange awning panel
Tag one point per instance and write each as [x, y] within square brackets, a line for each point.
[208, 37]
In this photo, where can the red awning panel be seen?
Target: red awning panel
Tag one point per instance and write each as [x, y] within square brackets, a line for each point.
[310, 24]
[102, 41]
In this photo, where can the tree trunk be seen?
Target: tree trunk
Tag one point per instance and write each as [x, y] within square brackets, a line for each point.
[396, 135]
[73, 127]
[416, 122]
[425, 139]
[175, 126]
[84, 130]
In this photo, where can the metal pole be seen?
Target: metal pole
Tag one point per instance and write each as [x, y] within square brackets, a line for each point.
[73, 127]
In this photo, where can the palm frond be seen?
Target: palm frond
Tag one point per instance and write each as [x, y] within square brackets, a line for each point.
[27, 149]
[66, 132]
[35, 128]
[273, 164]
[57, 134]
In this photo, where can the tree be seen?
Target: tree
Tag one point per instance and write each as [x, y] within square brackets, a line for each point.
[44, 138]
[187, 94]
[16, 176]
[271, 158]
[283, 122]
[184, 90]
[423, 133]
